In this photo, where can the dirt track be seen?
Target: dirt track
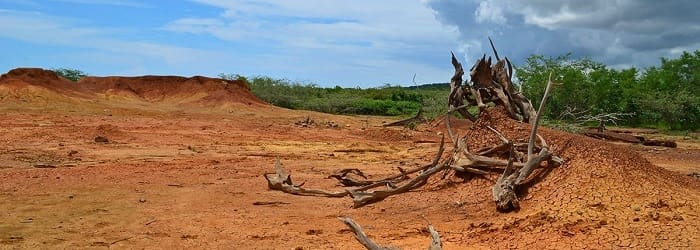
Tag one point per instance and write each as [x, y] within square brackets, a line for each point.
[192, 178]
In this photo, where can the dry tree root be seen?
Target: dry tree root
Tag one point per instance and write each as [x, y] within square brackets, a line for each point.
[516, 161]
[361, 195]
[280, 180]
[361, 236]
[435, 244]
[492, 84]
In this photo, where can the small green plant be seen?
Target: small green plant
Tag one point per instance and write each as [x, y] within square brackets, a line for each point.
[236, 77]
[70, 74]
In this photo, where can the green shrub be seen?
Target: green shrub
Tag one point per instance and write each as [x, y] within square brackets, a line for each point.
[70, 74]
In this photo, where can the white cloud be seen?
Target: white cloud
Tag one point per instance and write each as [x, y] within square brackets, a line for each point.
[351, 43]
[388, 35]
[620, 32]
[38, 28]
[320, 20]
[489, 12]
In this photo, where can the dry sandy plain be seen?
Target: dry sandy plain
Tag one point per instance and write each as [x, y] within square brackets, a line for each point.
[184, 165]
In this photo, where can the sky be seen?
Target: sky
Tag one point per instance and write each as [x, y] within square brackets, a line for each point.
[360, 43]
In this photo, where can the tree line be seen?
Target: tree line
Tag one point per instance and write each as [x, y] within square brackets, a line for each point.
[664, 96]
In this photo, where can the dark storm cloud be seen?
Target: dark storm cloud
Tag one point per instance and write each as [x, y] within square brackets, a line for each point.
[624, 33]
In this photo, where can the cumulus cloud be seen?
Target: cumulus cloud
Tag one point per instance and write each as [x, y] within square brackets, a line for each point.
[39, 28]
[374, 41]
[623, 32]
[489, 12]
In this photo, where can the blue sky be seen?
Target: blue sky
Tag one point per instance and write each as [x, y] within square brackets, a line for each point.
[349, 43]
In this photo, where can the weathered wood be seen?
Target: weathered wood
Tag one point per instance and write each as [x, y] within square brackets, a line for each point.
[661, 143]
[504, 191]
[361, 236]
[457, 94]
[435, 243]
[346, 179]
[536, 122]
[612, 136]
[280, 180]
[362, 198]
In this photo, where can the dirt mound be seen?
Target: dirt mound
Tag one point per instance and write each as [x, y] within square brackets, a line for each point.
[174, 89]
[28, 84]
[37, 77]
[36, 80]
[438, 123]
[603, 193]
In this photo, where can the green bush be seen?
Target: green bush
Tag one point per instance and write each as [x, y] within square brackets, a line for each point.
[70, 74]
[664, 96]
[387, 100]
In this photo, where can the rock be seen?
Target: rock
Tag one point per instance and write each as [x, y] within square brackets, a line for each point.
[44, 165]
[695, 175]
[142, 200]
[101, 139]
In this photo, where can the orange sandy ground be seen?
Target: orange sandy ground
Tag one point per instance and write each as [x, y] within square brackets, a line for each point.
[182, 180]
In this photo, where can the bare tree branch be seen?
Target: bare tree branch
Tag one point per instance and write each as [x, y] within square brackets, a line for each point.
[361, 236]
[282, 181]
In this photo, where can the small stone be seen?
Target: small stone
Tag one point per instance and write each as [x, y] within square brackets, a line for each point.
[635, 219]
[101, 139]
[70, 196]
[636, 208]
[142, 200]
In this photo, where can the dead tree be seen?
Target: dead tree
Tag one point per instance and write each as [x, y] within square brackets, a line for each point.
[490, 85]
[580, 117]
[516, 159]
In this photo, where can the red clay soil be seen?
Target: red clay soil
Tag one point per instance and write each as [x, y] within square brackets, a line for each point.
[207, 91]
[192, 178]
[171, 90]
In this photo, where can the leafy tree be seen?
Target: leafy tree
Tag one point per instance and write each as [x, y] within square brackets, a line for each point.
[664, 97]
[583, 83]
[668, 94]
[70, 74]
